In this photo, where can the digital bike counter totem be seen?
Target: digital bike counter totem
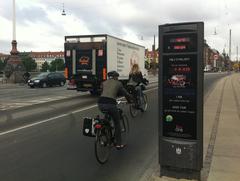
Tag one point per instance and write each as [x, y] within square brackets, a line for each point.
[181, 99]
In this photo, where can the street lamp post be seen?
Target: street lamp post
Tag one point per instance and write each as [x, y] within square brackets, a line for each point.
[63, 11]
[154, 63]
[230, 48]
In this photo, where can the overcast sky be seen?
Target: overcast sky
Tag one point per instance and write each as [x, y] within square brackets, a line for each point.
[41, 27]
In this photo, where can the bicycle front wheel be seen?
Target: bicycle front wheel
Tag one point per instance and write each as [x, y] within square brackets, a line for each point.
[124, 123]
[103, 145]
[133, 110]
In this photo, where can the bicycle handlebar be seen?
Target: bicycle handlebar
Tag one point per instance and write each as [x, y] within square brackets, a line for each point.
[122, 102]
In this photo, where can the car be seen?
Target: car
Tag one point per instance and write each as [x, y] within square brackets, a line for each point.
[178, 81]
[47, 79]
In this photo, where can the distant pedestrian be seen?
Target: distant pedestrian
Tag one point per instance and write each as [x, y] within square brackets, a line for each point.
[26, 76]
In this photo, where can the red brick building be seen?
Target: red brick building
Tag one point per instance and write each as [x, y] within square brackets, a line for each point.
[41, 57]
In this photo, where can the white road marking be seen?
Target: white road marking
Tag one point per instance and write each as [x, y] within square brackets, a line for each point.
[84, 109]
[30, 102]
[46, 120]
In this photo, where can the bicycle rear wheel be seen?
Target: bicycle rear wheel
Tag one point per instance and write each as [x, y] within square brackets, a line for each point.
[124, 123]
[145, 102]
[103, 145]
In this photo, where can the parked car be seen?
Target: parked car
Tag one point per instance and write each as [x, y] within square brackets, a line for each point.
[47, 79]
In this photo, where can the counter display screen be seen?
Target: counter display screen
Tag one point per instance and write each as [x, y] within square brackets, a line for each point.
[180, 43]
[179, 96]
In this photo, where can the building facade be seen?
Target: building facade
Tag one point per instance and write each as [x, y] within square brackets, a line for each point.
[41, 57]
[3, 56]
[149, 56]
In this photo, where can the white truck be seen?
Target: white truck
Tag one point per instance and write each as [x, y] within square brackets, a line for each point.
[88, 58]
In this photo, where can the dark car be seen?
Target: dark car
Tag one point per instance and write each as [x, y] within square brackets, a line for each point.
[47, 79]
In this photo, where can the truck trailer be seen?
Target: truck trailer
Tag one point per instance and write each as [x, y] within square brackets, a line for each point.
[88, 58]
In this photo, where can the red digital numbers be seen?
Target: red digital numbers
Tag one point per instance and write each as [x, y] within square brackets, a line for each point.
[182, 69]
[180, 40]
[179, 47]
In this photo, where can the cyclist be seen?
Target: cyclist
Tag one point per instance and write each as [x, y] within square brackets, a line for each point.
[135, 79]
[111, 88]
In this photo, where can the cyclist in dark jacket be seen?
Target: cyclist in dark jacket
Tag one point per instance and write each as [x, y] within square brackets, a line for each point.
[107, 102]
[136, 76]
[135, 79]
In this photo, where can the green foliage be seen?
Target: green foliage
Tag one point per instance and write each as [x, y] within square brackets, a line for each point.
[45, 67]
[28, 62]
[2, 65]
[147, 65]
[57, 65]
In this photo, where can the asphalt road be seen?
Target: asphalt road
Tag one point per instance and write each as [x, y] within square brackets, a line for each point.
[21, 95]
[55, 149]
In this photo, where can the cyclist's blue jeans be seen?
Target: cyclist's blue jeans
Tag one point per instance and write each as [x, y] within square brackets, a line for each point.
[114, 113]
[139, 93]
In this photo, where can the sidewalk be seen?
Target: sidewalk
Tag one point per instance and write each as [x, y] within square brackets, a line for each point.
[226, 157]
[221, 133]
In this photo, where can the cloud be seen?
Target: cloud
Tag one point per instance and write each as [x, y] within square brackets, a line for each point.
[40, 23]
[32, 14]
[5, 46]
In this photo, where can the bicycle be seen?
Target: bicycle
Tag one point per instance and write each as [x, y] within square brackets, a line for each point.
[139, 102]
[105, 134]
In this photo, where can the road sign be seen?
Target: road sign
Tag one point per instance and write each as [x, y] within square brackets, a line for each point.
[181, 99]
[216, 56]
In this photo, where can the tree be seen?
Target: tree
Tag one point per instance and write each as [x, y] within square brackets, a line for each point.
[29, 63]
[2, 65]
[57, 65]
[236, 66]
[45, 67]
[147, 65]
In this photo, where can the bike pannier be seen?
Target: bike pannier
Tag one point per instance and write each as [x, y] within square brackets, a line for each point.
[88, 127]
